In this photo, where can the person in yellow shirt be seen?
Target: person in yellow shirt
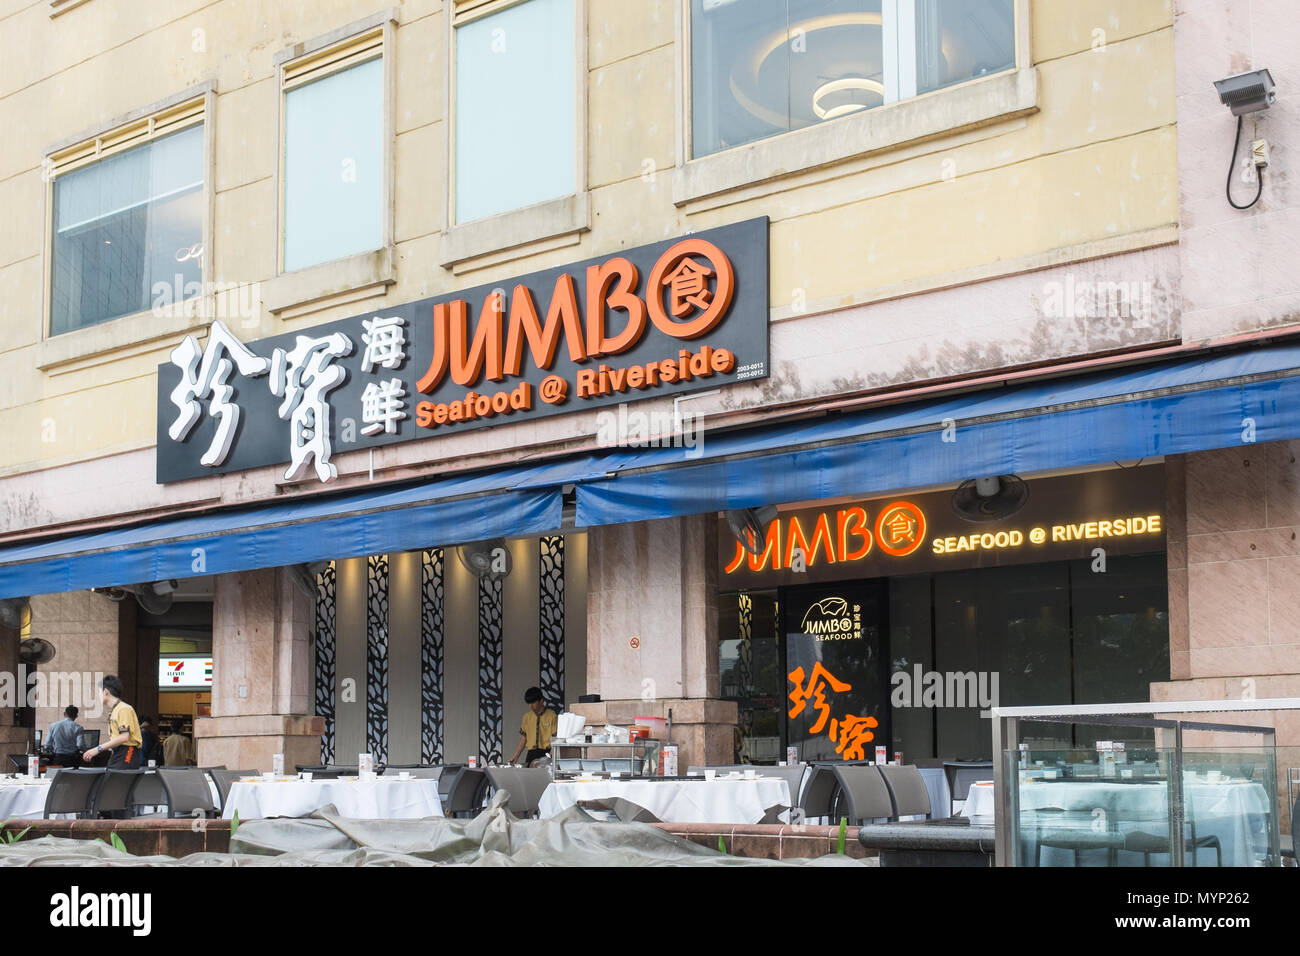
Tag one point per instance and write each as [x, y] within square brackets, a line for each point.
[124, 738]
[536, 729]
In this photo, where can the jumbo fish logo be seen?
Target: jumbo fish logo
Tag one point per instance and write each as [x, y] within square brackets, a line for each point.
[830, 619]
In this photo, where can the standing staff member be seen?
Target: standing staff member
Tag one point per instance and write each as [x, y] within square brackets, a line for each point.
[536, 729]
[123, 727]
[64, 738]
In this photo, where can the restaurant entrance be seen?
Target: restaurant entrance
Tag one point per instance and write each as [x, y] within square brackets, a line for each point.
[906, 645]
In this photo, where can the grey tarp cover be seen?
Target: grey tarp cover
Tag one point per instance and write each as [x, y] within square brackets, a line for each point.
[493, 838]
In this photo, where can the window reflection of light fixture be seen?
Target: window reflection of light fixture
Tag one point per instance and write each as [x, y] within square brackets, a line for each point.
[850, 85]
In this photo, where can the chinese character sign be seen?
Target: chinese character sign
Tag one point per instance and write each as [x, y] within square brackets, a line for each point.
[837, 691]
[654, 321]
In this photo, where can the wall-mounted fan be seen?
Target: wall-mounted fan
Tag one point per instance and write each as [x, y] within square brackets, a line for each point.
[749, 525]
[13, 612]
[486, 559]
[34, 650]
[989, 499]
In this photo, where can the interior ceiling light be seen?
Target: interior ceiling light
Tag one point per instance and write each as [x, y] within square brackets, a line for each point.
[845, 96]
[744, 82]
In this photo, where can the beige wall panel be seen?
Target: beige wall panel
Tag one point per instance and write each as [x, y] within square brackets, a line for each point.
[460, 661]
[632, 117]
[350, 661]
[1060, 29]
[404, 657]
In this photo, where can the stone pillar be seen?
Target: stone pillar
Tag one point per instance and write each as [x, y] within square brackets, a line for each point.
[1234, 585]
[12, 739]
[261, 668]
[652, 631]
[83, 627]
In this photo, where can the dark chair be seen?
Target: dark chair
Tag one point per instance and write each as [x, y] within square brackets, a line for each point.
[446, 780]
[112, 796]
[525, 786]
[1146, 843]
[19, 762]
[467, 792]
[866, 794]
[819, 793]
[146, 795]
[187, 790]
[907, 790]
[1050, 831]
[223, 778]
[73, 791]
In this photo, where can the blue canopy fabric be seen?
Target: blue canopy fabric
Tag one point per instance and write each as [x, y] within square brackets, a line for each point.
[1220, 401]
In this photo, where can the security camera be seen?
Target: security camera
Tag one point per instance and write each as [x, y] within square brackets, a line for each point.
[1247, 92]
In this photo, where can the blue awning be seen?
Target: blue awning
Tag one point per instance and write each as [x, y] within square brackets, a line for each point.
[1227, 400]
[451, 510]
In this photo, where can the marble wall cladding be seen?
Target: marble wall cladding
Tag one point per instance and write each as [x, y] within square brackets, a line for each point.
[83, 627]
[1241, 587]
[652, 599]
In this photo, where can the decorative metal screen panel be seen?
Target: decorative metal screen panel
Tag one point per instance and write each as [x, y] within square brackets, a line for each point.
[326, 590]
[431, 646]
[490, 670]
[745, 652]
[550, 619]
[377, 657]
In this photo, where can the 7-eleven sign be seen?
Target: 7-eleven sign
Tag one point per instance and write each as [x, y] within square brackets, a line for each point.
[181, 672]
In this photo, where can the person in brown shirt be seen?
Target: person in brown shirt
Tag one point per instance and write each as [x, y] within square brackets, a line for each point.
[178, 749]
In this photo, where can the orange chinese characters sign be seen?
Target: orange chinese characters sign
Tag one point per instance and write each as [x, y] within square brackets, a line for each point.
[849, 733]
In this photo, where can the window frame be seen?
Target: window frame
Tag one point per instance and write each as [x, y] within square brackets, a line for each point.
[702, 180]
[195, 106]
[297, 66]
[548, 224]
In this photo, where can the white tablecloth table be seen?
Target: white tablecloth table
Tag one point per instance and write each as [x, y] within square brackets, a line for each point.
[677, 801]
[23, 799]
[382, 798]
[1233, 812]
[979, 805]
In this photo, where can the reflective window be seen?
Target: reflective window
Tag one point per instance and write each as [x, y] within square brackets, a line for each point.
[125, 225]
[515, 109]
[334, 166]
[764, 67]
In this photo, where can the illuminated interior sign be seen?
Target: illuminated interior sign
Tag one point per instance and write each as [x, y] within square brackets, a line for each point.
[839, 536]
[177, 671]
[1066, 517]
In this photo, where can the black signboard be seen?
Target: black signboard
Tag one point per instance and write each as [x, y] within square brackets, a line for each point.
[837, 685]
[662, 319]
